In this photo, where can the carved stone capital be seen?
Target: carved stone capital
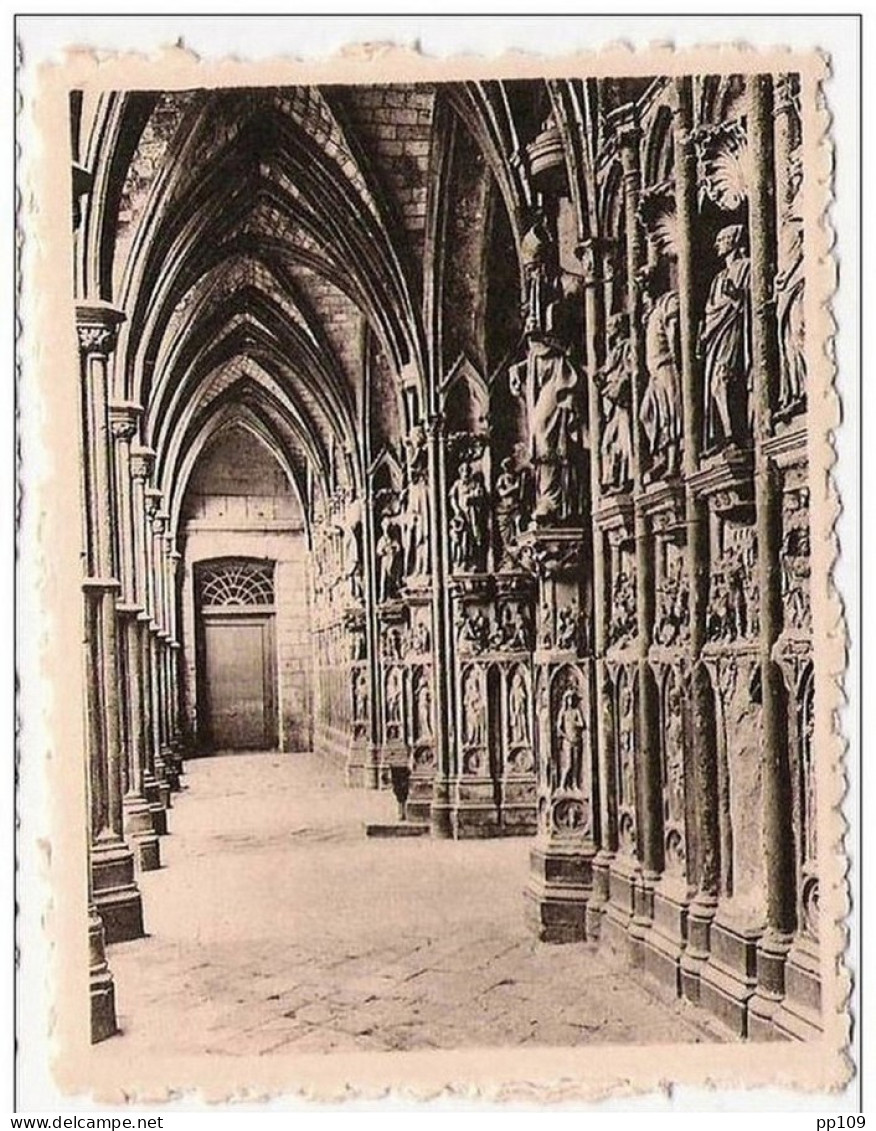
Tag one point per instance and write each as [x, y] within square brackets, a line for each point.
[124, 420]
[97, 328]
[142, 462]
[153, 501]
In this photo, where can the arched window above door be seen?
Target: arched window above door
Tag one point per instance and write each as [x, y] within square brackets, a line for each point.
[235, 583]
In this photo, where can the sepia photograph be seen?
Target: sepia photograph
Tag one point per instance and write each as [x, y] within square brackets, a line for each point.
[455, 660]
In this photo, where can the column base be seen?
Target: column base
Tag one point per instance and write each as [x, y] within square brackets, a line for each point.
[441, 811]
[729, 978]
[620, 908]
[667, 939]
[598, 902]
[356, 774]
[799, 1015]
[420, 796]
[101, 988]
[701, 913]
[116, 895]
[559, 890]
[141, 834]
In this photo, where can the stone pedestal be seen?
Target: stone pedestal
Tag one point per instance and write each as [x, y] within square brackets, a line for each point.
[799, 1013]
[141, 834]
[701, 914]
[559, 889]
[666, 941]
[100, 983]
[116, 895]
[620, 908]
[729, 978]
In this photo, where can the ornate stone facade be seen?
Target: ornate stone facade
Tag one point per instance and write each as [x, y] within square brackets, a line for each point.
[556, 511]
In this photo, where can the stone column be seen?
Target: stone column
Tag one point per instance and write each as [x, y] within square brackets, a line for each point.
[705, 785]
[442, 638]
[138, 815]
[778, 831]
[603, 730]
[142, 460]
[154, 537]
[176, 738]
[116, 895]
[171, 756]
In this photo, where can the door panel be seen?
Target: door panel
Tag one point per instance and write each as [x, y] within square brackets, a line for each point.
[239, 678]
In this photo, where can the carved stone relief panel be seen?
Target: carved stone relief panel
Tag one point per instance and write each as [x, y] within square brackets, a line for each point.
[672, 604]
[564, 771]
[625, 694]
[622, 620]
[393, 704]
[473, 719]
[733, 610]
[674, 801]
[795, 558]
[519, 754]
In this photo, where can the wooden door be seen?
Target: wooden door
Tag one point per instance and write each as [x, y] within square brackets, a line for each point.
[239, 682]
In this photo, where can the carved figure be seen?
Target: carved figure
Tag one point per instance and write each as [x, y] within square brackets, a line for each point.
[796, 565]
[518, 718]
[423, 709]
[671, 619]
[473, 709]
[725, 343]
[539, 255]
[422, 638]
[660, 411]
[417, 505]
[469, 508]
[570, 729]
[789, 290]
[615, 383]
[567, 628]
[360, 695]
[393, 698]
[388, 551]
[622, 626]
[673, 738]
[351, 553]
[509, 494]
[473, 631]
[515, 630]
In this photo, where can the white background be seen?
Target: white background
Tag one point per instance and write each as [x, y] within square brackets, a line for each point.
[43, 37]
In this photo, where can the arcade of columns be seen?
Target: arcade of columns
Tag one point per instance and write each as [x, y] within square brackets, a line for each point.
[568, 598]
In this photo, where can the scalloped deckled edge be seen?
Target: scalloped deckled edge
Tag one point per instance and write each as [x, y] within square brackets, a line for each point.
[550, 1074]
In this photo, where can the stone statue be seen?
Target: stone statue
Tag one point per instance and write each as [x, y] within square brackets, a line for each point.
[615, 384]
[725, 344]
[388, 551]
[469, 519]
[570, 729]
[518, 720]
[473, 631]
[509, 496]
[473, 705]
[673, 732]
[351, 553]
[393, 698]
[555, 431]
[796, 564]
[540, 259]
[417, 505]
[623, 624]
[660, 411]
[789, 288]
[424, 709]
[671, 624]
[422, 638]
[360, 695]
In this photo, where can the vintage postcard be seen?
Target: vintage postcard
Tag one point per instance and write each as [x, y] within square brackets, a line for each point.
[443, 666]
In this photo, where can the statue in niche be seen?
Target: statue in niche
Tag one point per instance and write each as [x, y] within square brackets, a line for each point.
[417, 505]
[555, 430]
[671, 622]
[509, 495]
[796, 565]
[539, 256]
[388, 551]
[615, 384]
[789, 292]
[473, 630]
[469, 519]
[360, 695]
[546, 635]
[392, 642]
[423, 709]
[393, 700]
[725, 344]
[473, 711]
[515, 629]
[673, 731]
[660, 411]
[518, 718]
[570, 729]
[422, 638]
[568, 624]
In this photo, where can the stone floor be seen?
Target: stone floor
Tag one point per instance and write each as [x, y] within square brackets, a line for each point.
[277, 926]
